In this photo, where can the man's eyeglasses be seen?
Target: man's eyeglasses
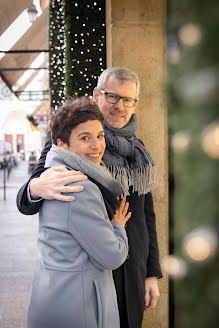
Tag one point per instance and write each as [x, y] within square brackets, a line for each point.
[113, 99]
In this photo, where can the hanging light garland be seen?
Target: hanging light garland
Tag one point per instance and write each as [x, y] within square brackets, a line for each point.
[85, 45]
[57, 53]
[77, 43]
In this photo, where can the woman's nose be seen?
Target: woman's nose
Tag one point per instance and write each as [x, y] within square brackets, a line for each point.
[95, 144]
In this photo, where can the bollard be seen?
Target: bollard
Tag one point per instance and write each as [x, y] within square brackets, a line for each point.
[4, 182]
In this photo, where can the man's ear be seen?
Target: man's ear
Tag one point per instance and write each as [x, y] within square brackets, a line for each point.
[136, 104]
[61, 144]
[137, 101]
[96, 93]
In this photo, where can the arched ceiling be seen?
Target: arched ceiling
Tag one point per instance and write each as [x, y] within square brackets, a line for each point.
[10, 10]
[35, 38]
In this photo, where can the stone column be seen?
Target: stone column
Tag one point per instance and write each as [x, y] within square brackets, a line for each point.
[136, 39]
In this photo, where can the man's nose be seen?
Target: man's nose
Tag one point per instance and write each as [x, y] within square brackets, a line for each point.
[119, 105]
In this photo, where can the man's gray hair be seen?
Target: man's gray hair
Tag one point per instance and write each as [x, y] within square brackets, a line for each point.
[122, 74]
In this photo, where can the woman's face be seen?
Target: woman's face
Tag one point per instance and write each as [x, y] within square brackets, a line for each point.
[87, 140]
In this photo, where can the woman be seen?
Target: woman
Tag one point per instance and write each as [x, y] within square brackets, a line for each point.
[79, 246]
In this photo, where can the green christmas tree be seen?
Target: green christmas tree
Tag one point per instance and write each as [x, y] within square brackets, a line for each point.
[193, 54]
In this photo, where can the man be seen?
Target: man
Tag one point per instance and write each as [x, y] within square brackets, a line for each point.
[116, 94]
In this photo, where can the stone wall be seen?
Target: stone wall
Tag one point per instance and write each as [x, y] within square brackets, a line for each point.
[136, 39]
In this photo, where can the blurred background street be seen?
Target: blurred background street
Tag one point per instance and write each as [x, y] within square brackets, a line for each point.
[17, 251]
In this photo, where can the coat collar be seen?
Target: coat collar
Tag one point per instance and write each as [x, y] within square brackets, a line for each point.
[59, 156]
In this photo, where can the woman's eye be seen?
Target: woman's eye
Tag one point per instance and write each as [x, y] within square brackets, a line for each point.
[101, 136]
[85, 138]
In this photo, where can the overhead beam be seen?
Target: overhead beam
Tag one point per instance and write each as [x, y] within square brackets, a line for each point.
[23, 51]
[32, 76]
[9, 69]
[42, 108]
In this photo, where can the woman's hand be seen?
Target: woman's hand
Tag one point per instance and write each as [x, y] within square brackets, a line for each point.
[121, 215]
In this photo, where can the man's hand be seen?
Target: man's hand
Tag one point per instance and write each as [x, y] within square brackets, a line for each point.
[52, 183]
[152, 293]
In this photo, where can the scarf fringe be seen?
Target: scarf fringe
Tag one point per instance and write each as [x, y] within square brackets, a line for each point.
[142, 179]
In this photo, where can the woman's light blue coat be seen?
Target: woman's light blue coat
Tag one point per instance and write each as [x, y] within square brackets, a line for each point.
[79, 246]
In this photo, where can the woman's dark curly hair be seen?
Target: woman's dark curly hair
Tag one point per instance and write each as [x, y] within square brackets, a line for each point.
[72, 113]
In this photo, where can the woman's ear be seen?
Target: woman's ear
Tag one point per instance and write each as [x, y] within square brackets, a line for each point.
[61, 144]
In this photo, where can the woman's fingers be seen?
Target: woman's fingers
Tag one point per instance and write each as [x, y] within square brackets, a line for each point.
[121, 214]
[127, 217]
[125, 209]
[122, 205]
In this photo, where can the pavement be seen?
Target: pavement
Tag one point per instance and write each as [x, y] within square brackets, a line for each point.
[18, 251]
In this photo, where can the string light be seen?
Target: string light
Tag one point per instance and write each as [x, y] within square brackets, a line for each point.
[174, 266]
[190, 34]
[210, 140]
[83, 64]
[180, 141]
[200, 244]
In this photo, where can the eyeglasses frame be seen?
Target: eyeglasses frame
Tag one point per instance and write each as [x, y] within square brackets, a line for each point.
[106, 93]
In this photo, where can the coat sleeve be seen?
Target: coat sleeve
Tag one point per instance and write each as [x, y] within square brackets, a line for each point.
[106, 244]
[22, 202]
[153, 265]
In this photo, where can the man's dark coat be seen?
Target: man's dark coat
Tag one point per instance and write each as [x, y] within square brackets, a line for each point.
[143, 259]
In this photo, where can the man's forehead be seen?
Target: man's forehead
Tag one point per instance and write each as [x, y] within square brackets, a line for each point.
[117, 85]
